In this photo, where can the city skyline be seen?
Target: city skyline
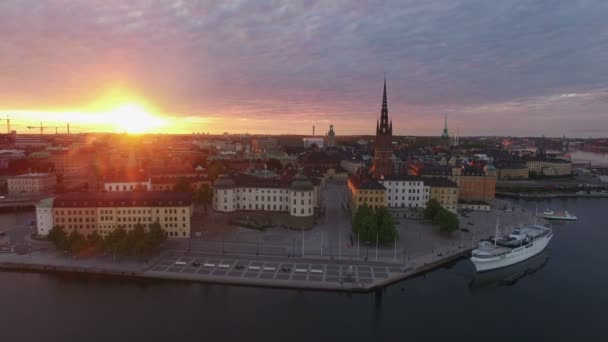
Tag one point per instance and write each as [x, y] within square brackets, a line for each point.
[269, 68]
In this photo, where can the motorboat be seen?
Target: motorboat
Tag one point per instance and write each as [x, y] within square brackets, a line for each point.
[558, 215]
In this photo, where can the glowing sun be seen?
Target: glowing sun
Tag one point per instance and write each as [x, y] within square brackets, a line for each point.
[133, 118]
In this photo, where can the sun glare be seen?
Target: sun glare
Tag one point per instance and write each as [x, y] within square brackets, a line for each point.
[134, 118]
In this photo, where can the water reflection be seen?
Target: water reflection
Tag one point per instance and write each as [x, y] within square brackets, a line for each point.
[509, 275]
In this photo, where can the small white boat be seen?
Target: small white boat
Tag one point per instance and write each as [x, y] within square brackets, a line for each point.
[559, 215]
[522, 244]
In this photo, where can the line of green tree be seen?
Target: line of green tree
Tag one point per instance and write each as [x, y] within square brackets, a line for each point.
[203, 195]
[371, 224]
[137, 242]
[445, 219]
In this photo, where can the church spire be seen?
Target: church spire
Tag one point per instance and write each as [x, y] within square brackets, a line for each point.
[445, 136]
[384, 126]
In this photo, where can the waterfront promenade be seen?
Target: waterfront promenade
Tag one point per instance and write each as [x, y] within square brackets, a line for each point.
[325, 258]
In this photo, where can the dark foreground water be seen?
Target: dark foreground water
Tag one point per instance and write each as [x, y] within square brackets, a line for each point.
[564, 296]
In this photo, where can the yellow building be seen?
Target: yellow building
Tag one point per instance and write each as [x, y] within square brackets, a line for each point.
[366, 191]
[445, 191]
[104, 212]
[510, 171]
[31, 183]
[550, 167]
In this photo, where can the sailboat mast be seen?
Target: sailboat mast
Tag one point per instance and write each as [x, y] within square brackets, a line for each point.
[496, 234]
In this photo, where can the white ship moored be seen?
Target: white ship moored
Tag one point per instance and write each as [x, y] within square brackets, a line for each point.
[522, 244]
[563, 216]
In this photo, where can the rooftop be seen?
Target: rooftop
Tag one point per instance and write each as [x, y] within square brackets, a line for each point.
[32, 175]
[122, 199]
[365, 183]
[401, 178]
[440, 183]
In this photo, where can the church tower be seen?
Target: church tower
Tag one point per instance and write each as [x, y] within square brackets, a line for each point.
[331, 137]
[445, 137]
[383, 145]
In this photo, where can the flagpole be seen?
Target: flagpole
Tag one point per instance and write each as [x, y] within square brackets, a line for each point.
[376, 246]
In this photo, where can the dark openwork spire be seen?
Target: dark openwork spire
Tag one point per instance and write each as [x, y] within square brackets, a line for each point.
[385, 126]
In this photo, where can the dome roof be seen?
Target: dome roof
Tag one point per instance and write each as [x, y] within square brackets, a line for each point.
[301, 183]
[224, 182]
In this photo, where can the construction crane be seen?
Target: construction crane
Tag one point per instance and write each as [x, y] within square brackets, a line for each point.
[8, 124]
[67, 128]
[41, 128]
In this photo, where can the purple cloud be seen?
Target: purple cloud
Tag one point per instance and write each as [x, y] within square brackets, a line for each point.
[318, 61]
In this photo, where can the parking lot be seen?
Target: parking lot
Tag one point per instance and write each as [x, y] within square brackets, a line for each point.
[242, 270]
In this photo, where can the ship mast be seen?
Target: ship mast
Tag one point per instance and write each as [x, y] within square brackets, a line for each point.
[496, 233]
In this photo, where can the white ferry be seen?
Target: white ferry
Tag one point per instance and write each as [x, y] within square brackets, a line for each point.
[522, 244]
[561, 216]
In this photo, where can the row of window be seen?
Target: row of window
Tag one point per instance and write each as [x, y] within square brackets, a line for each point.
[409, 198]
[126, 187]
[298, 193]
[119, 211]
[448, 191]
[274, 191]
[409, 191]
[403, 205]
[28, 181]
[370, 199]
[74, 219]
[274, 207]
[406, 183]
[302, 211]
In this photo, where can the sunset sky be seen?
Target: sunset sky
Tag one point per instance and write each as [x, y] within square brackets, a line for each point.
[495, 67]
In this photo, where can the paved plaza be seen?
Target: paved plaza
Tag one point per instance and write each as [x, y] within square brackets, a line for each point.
[269, 271]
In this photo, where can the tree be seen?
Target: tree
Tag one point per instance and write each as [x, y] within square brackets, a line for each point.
[447, 221]
[76, 242]
[59, 238]
[182, 185]
[116, 242]
[364, 224]
[274, 164]
[136, 241]
[155, 237]
[215, 170]
[432, 208]
[386, 226]
[370, 225]
[95, 241]
[204, 196]
[533, 174]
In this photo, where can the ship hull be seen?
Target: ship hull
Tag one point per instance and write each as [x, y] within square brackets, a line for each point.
[516, 256]
[559, 218]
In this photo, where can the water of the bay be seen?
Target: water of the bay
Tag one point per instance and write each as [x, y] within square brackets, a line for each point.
[565, 298]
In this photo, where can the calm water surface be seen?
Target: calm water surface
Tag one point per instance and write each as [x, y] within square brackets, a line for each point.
[566, 298]
[586, 157]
